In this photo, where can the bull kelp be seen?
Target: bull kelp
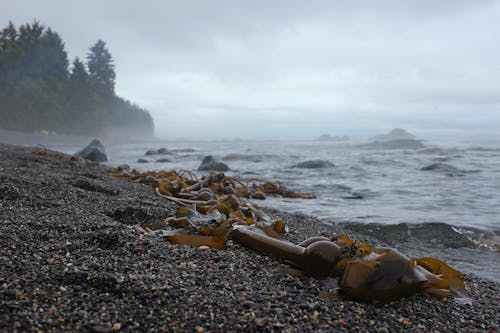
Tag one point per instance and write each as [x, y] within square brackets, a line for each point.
[217, 207]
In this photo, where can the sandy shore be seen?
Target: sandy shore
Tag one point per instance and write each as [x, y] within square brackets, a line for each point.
[71, 259]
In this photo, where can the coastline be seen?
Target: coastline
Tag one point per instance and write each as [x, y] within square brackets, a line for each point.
[72, 259]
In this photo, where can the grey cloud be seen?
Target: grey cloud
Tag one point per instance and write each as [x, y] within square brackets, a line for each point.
[292, 69]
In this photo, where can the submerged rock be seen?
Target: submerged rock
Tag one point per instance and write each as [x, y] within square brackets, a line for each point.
[163, 160]
[94, 151]
[209, 163]
[314, 164]
[143, 160]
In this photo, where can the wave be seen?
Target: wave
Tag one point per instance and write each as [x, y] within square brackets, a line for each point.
[436, 234]
[485, 149]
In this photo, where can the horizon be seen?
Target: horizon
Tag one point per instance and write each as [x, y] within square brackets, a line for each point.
[290, 71]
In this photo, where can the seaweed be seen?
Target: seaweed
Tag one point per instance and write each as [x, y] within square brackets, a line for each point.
[207, 207]
[363, 273]
[216, 208]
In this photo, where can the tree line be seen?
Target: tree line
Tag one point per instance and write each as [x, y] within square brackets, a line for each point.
[40, 90]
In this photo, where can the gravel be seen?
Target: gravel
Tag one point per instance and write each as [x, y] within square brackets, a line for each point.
[71, 258]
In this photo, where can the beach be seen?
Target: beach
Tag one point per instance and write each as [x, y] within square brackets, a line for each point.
[72, 258]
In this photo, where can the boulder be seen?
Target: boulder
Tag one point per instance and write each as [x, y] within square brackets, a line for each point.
[209, 163]
[314, 164]
[94, 151]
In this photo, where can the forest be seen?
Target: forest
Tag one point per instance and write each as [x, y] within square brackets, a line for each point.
[40, 91]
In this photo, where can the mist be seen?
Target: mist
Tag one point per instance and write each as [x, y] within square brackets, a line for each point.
[287, 70]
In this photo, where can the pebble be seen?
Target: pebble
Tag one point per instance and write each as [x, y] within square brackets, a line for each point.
[74, 251]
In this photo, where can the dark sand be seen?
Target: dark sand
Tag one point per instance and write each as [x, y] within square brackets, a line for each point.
[71, 259]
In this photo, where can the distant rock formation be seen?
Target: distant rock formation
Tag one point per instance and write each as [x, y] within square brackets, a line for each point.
[314, 164]
[209, 163]
[395, 134]
[94, 151]
[336, 138]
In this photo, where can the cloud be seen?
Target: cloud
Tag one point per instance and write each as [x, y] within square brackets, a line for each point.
[293, 69]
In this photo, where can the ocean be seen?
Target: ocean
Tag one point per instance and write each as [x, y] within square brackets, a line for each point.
[451, 211]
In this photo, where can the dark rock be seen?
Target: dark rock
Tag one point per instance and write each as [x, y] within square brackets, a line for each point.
[163, 160]
[209, 163]
[183, 150]
[162, 151]
[314, 164]
[354, 197]
[94, 151]
[259, 196]
[143, 160]
[394, 144]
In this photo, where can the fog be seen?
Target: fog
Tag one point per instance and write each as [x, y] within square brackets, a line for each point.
[293, 69]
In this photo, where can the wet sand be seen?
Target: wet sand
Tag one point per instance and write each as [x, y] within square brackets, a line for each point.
[72, 259]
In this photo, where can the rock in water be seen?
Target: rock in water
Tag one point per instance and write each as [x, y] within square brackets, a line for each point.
[209, 163]
[395, 134]
[94, 151]
[314, 164]
[394, 144]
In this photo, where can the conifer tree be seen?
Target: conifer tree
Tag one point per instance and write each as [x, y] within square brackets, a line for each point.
[101, 68]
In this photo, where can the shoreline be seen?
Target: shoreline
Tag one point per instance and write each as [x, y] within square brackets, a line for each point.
[73, 260]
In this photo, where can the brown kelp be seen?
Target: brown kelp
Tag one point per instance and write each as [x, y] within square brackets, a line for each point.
[363, 273]
[208, 207]
[216, 208]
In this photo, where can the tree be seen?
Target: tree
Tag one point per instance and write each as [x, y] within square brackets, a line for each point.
[101, 69]
[38, 90]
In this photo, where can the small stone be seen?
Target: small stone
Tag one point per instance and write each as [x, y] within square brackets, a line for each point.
[117, 326]
[199, 329]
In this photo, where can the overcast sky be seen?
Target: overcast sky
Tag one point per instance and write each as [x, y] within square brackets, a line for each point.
[293, 69]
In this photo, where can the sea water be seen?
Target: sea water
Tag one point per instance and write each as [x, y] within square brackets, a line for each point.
[452, 213]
